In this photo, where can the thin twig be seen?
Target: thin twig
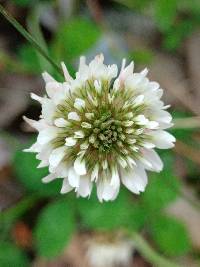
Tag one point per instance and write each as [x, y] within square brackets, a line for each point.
[28, 37]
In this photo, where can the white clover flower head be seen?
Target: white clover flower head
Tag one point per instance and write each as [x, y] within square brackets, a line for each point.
[101, 129]
[118, 252]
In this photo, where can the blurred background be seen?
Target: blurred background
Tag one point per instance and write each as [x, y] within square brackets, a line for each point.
[38, 226]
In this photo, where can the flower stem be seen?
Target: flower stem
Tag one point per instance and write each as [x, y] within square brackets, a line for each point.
[28, 37]
[149, 254]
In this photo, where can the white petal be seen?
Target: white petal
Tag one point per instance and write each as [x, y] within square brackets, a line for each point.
[47, 77]
[73, 116]
[85, 186]
[146, 163]
[97, 85]
[105, 191]
[62, 169]
[49, 178]
[135, 179]
[152, 124]
[151, 156]
[86, 125]
[116, 84]
[79, 103]
[115, 181]
[138, 100]
[128, 123]
[60, 122]
[148, 145]
[52, 88]
[105, 164]
[122, 162]
[38, 125]
[95, 172]
[112, 71]
[89, 116]
[131, 161]
[73, 178]
[125, 72]
[35, 148]
[43, 163]
[56, 156]
[47, 135]
[163, 139]
[66, 73]
[141, 120]
[84, 145]
[163, 117]
[79, 166]
[48, 110]
[37, 98]
[144, 72]
[70, 141]
[79, 134]
[65, 187]
[82, 62]
[45, 152]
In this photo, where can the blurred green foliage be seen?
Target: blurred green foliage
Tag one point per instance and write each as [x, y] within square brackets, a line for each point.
[74, 38]
[28, 58]
[165, 13]
[111, 215]
[21, 3]
[163, 187]
[141, 56]
[176, 19]
[54, 228]
[170, 236]
[25, 166]
[10, 255]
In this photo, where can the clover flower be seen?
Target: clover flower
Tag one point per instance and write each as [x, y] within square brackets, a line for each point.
[101, 129]
[110, 251]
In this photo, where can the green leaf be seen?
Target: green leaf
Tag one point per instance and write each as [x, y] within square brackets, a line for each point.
[165, 13]
[54, 228]
[10, 256]
[122, 212]
[170, 236]
[25, 166]
[74, 38]
[162, 188]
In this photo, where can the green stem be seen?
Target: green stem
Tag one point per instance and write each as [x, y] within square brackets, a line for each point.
[149, 254]
[28, 37]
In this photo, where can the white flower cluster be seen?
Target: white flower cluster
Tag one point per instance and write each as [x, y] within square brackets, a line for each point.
[100, 128]
[110, 254]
